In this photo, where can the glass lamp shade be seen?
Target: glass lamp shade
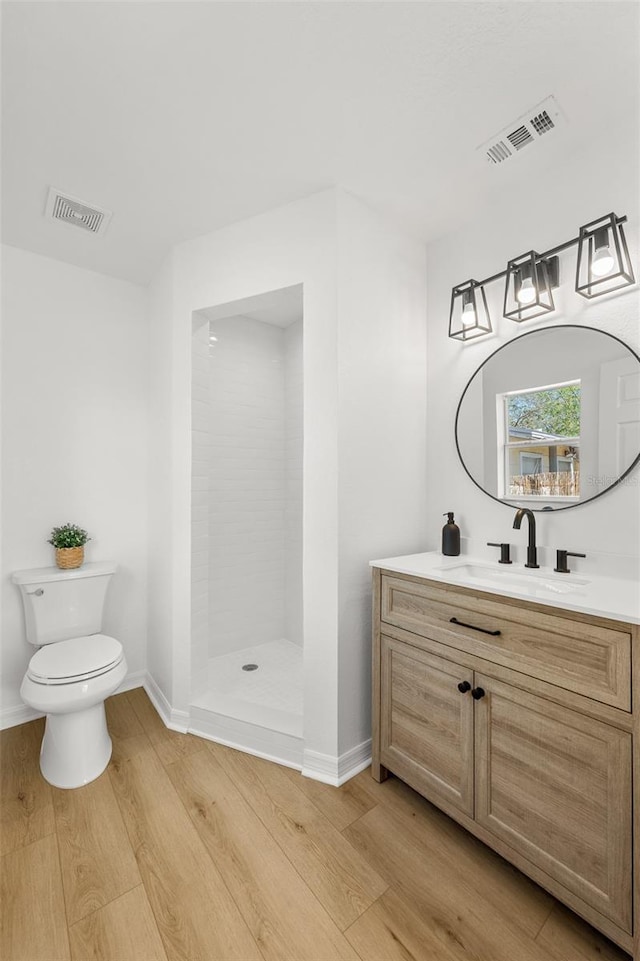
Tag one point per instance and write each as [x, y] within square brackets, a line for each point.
[527, 292]
[603, 258]
[469, 315]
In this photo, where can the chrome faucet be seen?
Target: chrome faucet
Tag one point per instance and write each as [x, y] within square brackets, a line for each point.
[532, 552]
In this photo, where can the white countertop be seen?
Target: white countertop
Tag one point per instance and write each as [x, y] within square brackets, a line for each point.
[615, 598]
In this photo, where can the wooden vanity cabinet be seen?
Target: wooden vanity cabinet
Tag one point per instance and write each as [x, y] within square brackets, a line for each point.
[538, 771]
[426, 726]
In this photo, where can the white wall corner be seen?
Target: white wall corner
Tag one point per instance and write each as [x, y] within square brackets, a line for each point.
[336, 770]
[174, 720]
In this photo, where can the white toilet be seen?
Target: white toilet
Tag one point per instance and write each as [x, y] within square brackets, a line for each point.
[74, 671]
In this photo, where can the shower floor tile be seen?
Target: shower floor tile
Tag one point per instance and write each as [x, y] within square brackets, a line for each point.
[270, 696]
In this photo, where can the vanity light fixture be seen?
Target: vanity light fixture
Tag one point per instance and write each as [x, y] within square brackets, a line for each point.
[527, 292]
[603, 260]
[469, 315]
[603, 265]
[603, 257]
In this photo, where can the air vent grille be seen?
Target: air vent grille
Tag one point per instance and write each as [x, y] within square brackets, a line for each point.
[542, 123]
[520, 138]
[499, 152]
[523, 132]
[70, 210]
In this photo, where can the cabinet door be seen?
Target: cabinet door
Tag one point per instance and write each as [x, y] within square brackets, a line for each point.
[556, 786]
[427, 724]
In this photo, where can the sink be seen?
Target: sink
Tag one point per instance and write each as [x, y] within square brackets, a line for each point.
[534, 583]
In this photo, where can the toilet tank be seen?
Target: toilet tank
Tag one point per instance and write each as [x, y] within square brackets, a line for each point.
[63, 604]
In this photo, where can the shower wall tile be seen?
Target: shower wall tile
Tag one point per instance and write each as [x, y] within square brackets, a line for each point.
[200, 588]
[200, 392]
[294, 410]
[200, 464]
[247, 570]
[200, 362]
[199, 413]
[199, 603]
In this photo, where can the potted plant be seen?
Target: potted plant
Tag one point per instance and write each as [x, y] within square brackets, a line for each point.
[69, 541]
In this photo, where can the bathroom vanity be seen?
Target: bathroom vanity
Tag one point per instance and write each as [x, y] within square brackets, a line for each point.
[508, 700]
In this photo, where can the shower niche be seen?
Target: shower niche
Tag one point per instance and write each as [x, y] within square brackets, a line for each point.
[247, 529]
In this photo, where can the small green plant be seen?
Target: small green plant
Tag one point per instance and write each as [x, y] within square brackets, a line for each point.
[68, 535]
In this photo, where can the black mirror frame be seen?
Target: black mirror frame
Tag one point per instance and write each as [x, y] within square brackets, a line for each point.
[547, 509]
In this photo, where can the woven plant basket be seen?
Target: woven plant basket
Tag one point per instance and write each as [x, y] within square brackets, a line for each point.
[69, 557]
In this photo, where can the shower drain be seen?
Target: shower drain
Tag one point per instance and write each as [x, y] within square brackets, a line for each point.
[249, 667]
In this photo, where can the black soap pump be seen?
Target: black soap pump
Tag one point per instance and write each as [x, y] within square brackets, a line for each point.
[450, 536]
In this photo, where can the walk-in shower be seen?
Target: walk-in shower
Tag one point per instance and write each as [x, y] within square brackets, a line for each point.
[247, 432]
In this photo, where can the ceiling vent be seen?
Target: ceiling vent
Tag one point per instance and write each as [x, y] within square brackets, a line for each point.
[541, 120]
[70, 210]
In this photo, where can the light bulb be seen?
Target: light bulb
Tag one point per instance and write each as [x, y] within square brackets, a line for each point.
[603, 261]
[468, 315]
[527, 293]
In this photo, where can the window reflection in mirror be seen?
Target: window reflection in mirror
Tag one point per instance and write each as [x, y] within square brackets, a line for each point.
[539, 440]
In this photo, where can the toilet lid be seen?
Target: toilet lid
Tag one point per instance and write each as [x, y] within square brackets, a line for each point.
[76, 659]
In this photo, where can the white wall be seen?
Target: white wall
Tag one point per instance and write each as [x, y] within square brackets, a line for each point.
[292, 245]
[382, 430]
[200, 497]
[557, 202]
[164, 659]
[364, 429]
[74, 426]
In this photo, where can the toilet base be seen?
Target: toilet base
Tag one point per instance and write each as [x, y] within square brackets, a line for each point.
[76, 747]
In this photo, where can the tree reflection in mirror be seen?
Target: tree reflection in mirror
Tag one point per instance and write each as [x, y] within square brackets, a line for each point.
[539, 435]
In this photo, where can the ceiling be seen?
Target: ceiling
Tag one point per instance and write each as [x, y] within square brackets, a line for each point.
[184, 117]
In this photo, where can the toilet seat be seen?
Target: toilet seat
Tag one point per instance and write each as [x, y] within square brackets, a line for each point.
[77, 659]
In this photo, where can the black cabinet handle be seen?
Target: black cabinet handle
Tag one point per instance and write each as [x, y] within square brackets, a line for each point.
[464, 686]
[477, 693]
[483, 630]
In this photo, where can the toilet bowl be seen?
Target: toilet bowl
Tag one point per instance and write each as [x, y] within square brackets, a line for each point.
[69, 682]
[73, 672]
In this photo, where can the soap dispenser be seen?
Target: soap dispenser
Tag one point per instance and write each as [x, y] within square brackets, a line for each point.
[450, 536]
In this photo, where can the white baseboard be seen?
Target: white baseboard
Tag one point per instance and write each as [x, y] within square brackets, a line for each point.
[21, 714]
[353, 761]
[18, 714]
[174, 720]
[244, 736]
[336, 770]
[254, 739]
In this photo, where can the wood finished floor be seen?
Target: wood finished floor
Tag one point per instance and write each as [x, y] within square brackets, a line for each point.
[184, 849]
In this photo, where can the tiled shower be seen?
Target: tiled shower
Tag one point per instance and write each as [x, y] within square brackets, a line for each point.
[247, 519]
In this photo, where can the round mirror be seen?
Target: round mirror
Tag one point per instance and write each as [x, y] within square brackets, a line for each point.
[552, 418]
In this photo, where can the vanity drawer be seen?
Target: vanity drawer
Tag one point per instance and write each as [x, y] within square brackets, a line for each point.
[574, 653]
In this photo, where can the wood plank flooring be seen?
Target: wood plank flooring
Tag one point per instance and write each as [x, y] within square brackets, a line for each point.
[184, 850]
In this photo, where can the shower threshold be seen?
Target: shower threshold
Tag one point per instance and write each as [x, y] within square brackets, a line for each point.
[258, 710]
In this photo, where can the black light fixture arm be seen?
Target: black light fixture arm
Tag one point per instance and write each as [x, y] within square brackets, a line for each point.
[603, 265]
[545, 255]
